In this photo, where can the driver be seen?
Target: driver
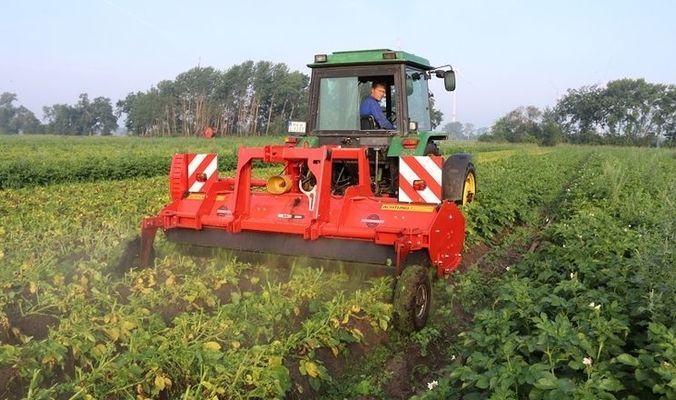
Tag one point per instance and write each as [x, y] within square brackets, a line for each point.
[370, 106]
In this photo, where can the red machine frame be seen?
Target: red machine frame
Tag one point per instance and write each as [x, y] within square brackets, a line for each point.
[229, 209]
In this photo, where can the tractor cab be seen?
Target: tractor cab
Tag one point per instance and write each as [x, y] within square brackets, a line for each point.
[342, 80]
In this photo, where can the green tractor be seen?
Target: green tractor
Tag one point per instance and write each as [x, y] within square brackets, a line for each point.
[342, 80]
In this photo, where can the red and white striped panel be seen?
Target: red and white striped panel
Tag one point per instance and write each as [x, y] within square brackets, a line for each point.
[426, 168]
[199, 164]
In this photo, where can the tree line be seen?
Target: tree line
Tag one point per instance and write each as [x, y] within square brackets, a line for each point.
[250, 98]
[86, 117]
[622, 112]
[246, 99]
[260, 98]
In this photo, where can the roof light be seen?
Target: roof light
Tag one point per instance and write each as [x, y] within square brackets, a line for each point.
[389, 55]
[320, 58]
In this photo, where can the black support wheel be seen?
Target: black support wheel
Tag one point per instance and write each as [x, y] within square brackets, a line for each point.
[412, 299]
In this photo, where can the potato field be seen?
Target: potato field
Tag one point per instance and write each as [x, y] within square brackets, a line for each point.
[567, 288]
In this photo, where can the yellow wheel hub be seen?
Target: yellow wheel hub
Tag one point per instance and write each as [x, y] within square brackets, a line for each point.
[469, 189]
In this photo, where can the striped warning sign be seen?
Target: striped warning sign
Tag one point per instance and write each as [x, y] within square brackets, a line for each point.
[420, 179]
[202, 171]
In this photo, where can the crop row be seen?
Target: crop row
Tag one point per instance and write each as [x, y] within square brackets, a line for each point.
[32, 161]
[44, 160]
[590, 314]
[72, 326]
[516, 190]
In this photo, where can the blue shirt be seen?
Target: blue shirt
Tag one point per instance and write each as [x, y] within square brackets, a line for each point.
[370, 106]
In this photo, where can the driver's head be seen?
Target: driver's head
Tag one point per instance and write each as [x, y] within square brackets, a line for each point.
[378, 90]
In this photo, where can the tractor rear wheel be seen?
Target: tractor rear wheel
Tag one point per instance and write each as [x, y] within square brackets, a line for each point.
[469, 186]
[412, 299]
[458, 179]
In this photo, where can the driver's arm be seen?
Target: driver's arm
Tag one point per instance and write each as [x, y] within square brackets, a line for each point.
[377, 113]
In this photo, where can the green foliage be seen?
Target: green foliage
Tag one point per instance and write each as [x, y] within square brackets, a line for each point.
[590, 314]
[188, 327]
[249, 98]
[85, 118]
[44, 160]
[16, 119]
[519, 125]
[624, 112]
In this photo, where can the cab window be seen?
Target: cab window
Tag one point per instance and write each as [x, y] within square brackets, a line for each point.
[338, 104]
[418, 99]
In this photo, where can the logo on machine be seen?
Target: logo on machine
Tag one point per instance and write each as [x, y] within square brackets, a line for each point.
[372, 220]
[408, 207]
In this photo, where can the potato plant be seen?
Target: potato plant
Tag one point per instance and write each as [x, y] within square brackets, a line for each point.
[587, 314]
[590, 314]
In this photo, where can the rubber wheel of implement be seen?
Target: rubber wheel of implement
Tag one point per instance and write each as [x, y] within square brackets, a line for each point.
[432, 149]
[412, 299]
[468, 186]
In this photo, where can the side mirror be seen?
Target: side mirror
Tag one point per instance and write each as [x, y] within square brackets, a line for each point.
[449, 80]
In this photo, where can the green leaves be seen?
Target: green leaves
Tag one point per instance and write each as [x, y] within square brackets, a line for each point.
[572, 320]
[44, 160]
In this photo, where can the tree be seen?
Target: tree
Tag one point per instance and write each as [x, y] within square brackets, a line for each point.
[7, 111]
[468, 130]
[24, 121]
[435, 115]
[519, 125]
[62, 119]
[103, 121]
[85, 118]
[665, 117]
[454, 130]
[625, 111]
[249, 98]
[16, 119]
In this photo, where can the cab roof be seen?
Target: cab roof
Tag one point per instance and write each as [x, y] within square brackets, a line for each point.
[374, 56]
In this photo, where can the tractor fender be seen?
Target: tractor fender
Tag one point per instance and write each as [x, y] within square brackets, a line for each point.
[453, 175]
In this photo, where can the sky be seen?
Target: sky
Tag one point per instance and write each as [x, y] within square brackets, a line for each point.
[506, 53]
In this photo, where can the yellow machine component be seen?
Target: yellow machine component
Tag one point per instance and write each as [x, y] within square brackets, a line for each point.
[469, 189]
[278, 184]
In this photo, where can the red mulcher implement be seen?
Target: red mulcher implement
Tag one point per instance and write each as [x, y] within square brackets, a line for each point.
[348, 190]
